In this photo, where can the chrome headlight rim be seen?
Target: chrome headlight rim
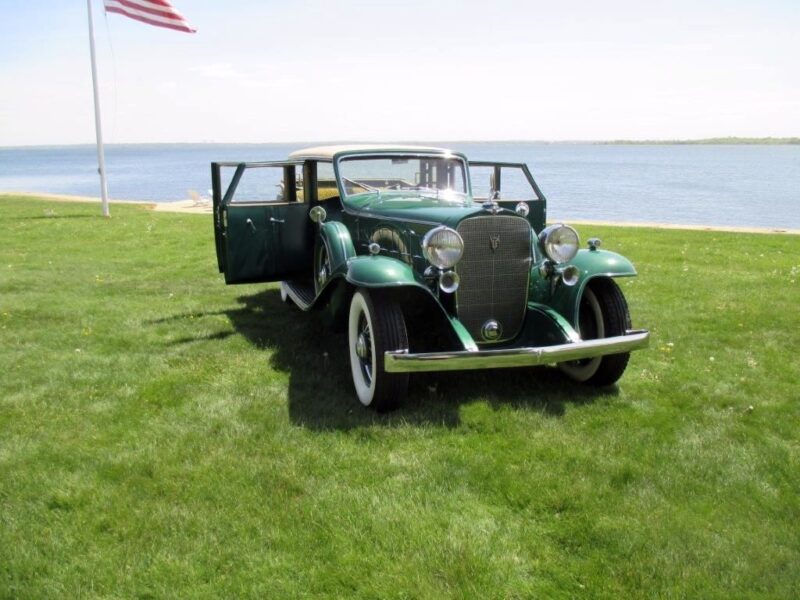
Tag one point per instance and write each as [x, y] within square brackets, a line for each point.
[435, 255]
[560, 242]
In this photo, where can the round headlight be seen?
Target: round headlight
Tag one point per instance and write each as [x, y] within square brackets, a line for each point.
[560, 242]
[442, 247]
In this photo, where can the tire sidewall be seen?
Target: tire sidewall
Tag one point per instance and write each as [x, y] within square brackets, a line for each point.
[579, 370]
[360, 305]
[605, 295]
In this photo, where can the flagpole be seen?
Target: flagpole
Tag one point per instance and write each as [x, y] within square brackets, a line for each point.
[101, 158]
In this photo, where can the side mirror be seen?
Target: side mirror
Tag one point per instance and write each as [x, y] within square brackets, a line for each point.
[317, 214]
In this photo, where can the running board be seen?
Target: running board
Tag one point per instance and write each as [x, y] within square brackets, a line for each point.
[301, 293]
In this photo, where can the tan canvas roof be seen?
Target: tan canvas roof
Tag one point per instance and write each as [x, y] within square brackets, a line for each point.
[327, 152]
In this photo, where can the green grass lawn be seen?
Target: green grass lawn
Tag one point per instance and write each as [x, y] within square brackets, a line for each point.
[163, 435]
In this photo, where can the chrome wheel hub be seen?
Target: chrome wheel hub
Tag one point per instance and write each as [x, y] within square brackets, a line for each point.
[364, 349]
[362, 346]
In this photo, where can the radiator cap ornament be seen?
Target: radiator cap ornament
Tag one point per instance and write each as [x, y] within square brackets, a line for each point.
[491, 206]
[491, 330]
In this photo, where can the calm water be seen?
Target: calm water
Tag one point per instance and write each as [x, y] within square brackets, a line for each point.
[705, 185]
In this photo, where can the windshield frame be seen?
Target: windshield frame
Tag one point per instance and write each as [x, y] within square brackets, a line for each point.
[407, 154]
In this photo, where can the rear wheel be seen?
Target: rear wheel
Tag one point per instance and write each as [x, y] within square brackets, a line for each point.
[376, 325]
[603, 312]
[322, 265]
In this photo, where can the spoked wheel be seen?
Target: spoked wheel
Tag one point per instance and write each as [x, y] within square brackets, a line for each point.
[322, 265]
[603, 313]
[376, 325]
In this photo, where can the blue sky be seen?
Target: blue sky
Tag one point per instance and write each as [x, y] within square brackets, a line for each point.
[413, 70]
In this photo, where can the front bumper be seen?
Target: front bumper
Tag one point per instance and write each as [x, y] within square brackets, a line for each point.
[461, 360]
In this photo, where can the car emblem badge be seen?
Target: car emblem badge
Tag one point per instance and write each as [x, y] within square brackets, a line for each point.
[494, 240]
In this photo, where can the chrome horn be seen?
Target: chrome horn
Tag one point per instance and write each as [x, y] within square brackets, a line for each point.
[570, 275]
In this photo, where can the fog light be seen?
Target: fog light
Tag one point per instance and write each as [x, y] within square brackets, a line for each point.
[448, 282]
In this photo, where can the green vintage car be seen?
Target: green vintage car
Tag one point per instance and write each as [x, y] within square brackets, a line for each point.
[429, 261]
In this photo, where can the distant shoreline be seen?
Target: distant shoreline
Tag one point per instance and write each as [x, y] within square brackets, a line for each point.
[722, 141]
[715, 141]
[204, 207]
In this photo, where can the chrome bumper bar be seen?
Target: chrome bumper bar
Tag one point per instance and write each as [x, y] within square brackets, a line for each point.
[461, 360]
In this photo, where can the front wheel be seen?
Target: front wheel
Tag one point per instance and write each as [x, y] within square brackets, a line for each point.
[376, 325]
[603, 312]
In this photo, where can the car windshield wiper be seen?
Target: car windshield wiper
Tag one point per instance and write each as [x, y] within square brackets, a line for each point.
[368, 188]
[355, 183]
[447, 195]
[424, 190]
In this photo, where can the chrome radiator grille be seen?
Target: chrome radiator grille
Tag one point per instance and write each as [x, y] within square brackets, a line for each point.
[494, 272]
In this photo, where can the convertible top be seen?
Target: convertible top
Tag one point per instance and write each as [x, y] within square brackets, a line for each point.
[328, 152]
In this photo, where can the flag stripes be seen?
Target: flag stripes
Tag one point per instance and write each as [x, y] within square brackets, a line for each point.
[153, 12]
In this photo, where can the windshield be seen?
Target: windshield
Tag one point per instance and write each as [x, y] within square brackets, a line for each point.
[442, 178]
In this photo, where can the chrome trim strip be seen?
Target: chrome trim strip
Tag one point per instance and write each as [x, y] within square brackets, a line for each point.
[402, 362]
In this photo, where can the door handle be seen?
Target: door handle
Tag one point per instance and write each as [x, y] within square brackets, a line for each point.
[274, 220]
[249, 223]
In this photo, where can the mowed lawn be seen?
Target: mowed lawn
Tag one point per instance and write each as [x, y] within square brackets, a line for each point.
[163, 435]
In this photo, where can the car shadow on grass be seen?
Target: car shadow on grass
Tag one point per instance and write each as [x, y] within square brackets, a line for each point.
[321, 395]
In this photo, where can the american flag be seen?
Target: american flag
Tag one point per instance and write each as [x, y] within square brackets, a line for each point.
[154, 12]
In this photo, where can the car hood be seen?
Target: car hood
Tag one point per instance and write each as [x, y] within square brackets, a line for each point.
[425, 210]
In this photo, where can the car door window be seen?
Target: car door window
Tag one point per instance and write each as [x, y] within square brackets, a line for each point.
[482, 182]
[514, 185]
[267, 184]
[326, 182]
[501, 182]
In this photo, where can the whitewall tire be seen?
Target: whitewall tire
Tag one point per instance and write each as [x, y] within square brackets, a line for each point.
[603, 312]
[375, 326]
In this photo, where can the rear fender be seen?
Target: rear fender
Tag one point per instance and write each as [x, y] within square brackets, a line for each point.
[340, 247]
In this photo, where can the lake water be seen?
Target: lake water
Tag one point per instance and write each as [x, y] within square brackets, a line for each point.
[755, 186]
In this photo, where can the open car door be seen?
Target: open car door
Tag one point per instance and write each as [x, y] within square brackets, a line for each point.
[261, 226]
[508, 184]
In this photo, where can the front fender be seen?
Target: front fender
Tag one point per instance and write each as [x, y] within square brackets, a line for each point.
[380, 271]
[386, 272]
[592, 264]
[602, 262]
